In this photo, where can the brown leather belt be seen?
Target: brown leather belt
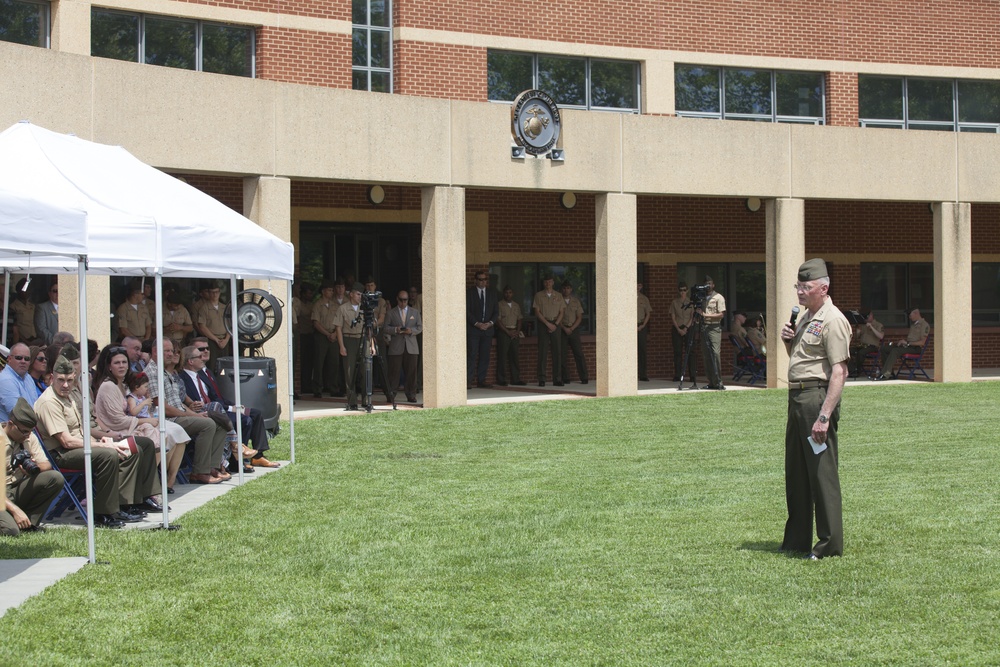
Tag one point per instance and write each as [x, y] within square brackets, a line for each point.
[807, 384]
[352, 335]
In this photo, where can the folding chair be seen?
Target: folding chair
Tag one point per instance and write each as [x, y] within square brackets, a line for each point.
[911, 361]
[740, 367]
[756, 363]
[68, 496]
[871, 364]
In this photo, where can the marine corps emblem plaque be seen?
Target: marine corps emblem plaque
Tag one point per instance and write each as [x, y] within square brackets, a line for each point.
[535, 122]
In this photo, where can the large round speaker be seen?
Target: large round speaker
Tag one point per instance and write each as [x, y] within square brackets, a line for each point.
[258, 316]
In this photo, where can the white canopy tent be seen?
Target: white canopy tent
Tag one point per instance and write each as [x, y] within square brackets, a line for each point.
[141, 221]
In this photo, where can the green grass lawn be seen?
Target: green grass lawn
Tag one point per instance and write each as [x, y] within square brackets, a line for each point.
[633, 531]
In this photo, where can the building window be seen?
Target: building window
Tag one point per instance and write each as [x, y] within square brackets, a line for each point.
[892, 289]
[730, 93]
[172, 42]
[742, 285]
[526, 280]
[947, 105]
[986, 294]
[580, 83]
[24, 22]
[372, 45]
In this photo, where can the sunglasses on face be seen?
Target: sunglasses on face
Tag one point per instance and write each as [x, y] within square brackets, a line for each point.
[18, 357]
[202, 349]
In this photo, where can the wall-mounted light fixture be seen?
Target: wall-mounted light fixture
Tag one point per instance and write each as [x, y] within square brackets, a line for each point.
[753, 204]
[557, 155]
[376, 195]
[568, 200]
[516, 152]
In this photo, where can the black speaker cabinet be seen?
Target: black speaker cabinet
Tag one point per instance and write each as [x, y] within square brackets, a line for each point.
[258, 386]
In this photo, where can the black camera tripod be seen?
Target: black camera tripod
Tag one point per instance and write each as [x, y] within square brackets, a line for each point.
[688, 344]
[368, 359]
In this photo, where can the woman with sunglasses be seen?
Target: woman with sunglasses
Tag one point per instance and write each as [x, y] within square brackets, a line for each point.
[111, 413]
[38, 370]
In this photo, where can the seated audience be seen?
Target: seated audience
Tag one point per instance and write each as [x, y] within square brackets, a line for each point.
[739, 319]
[867, 338]
[32, 484]
[912, 344]
[756, 335]
[38, 370]
[15, 382]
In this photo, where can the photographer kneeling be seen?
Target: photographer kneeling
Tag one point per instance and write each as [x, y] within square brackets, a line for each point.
[32, 484]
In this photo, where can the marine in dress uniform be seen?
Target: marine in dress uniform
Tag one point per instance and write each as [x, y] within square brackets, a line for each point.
[818, 350]
[570, 335]
[348, 328]
[712, 314]
[548, 306]
[509, 339]
[645, 310]
[682, 316]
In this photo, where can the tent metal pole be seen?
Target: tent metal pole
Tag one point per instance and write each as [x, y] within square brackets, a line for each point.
[291, 376]
[237, 380]
[161, 413]
[88, 465]
[6, 304]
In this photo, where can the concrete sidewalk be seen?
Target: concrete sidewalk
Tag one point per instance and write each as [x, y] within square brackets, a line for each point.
[22, 578]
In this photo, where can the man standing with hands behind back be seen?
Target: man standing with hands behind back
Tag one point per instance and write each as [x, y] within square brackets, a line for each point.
[818, 348]
[481, 313]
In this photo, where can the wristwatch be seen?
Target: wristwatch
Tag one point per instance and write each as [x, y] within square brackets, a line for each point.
[822, 419]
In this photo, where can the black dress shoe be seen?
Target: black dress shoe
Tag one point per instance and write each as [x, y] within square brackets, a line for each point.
[107, 521]
[542, 383]
[810, 556]
[411, 399]
[33, 529]
[151, 505]
[126, 517]
[352, 406]
[519, 384]
[170, 490]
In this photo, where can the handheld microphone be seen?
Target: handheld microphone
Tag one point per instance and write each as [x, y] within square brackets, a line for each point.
[795, 316]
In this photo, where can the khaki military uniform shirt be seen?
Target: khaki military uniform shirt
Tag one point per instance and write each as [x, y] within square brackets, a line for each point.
[757, 337]
[549, 306]
[325, 312]
[738, 331]
[347, 314]
[56, 415]
[868, 336]
[211, 316]
[179, 315]
[570, 312]
[15, 477]
[133, 318]
[644, 308]
[24, 317]
[918, 331]
[510, 313]
[715, 304]
[380, 312]
[303, 316]
[819, 343]
[681, 315]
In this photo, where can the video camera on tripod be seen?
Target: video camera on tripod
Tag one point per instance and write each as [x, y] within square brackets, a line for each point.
[698, 295]
[366, 311]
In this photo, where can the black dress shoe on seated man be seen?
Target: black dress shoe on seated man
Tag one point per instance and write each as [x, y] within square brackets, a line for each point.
[107, 521]
[126, 517]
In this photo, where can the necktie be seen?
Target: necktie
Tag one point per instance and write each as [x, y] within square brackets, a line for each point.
[482, 299]
[204, 393]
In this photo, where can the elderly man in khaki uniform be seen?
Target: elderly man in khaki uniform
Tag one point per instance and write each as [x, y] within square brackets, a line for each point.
[645, 310]
[509, 339]
[867, 338]
[681, 336]
[28, 494]
[912, 344]
[348, 326]
[818, 348]
[548, 306]
[570, 335]
[712, 314]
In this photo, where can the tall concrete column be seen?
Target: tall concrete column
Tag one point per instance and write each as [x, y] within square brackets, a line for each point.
[952, 330]
[442, 224]
[785, 252]
[616, 315]
[71, 26]
[99, 308]
[267, 200]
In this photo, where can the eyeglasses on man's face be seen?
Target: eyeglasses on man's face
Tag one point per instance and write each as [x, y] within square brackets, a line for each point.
[202, 349]
[18, 357]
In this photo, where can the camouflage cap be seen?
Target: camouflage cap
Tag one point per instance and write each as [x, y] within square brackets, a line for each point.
[813, 270]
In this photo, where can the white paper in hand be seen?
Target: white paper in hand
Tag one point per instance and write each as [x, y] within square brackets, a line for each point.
[817, 448]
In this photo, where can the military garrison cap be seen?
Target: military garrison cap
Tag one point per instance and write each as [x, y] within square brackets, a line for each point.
[63, 366]
[813, 270]
[23, 414]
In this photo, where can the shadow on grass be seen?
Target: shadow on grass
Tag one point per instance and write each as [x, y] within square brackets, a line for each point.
[765, 547]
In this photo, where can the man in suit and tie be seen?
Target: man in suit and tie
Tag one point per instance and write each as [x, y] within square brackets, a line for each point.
[481, 312]
[403, 324]
[200, 384]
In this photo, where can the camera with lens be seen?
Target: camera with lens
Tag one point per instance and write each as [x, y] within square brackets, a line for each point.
[369, 302]
[699, 293]
[22, 459]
